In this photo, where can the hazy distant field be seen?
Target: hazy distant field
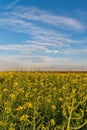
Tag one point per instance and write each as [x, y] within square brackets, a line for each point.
[43, 101]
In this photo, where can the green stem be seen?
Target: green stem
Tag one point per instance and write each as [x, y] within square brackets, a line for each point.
[70, 114]
[34, 124]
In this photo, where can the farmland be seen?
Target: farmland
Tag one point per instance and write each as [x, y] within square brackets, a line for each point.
[43, 101]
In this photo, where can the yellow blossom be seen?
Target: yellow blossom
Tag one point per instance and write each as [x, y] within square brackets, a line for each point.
[23, 117]
[60, 99]
[74, 91]
[11, 128]
[21, 90]
[20, 108]
[1, 123]
[6, 103]
[15, 84]
[48, 100]
[7, 110]
[39, 97]
[53, 107]
[12, 96]
[28, 105]
[52, 122]
[5, 90]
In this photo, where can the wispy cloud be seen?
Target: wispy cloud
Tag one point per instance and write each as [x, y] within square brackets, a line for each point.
[12, 4]
[23, 16]
[49, 18]
[42, 49]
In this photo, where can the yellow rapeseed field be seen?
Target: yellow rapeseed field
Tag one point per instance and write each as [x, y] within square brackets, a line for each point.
[43, 101]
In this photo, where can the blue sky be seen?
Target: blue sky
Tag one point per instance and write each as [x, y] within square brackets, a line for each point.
[43, 34]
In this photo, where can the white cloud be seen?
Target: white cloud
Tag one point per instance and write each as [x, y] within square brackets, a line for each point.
[39, 15]
[24, 16]
[42, 49]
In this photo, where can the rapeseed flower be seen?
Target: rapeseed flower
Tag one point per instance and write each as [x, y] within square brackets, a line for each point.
[24, 117]
[52, 122]
[12, 96]
[5, 90]
[7, 110]
[53, 107]
[28, 105]
[15, 84]
[20, 108]
[1, 123]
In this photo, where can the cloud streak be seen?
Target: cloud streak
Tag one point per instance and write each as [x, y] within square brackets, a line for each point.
[12, 4]
[24, 16]
[39, 15]
[42, 48]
